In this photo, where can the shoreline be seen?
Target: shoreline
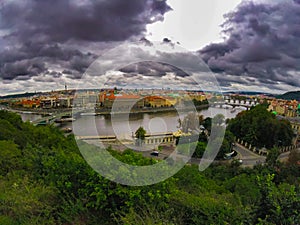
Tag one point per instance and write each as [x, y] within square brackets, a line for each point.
[95, 112]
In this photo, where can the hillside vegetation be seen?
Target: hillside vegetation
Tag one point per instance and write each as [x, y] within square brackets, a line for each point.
[261, 128]
[293, 95]
[45, 180]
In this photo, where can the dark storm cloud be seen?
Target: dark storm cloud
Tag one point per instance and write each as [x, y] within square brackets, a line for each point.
[38, 33]
[262, 42]
[183, 60]
[227, 81]
[81, 62]
[63, 20]
[31, 59]
[25, 67]
[150, 68]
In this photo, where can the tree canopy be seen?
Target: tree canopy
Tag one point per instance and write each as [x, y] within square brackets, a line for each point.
[261, 128]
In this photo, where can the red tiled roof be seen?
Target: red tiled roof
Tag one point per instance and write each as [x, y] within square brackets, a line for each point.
[113, 97]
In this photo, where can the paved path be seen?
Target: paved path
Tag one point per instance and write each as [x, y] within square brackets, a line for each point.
[249, 158]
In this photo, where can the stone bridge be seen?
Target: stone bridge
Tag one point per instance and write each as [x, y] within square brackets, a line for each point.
[236, 103]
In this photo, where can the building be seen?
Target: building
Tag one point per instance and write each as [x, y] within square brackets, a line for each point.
[157, 139]
[49, 102]
[158, 101]
[85, 99]
[65, 102]
[295, 124]
[28, 103]
[120, 101]
[283, 107]
[197, 96]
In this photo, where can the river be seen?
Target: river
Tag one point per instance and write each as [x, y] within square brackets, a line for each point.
[123, 127]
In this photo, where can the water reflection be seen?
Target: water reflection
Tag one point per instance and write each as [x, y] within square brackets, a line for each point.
[151, 122]
[124, 128]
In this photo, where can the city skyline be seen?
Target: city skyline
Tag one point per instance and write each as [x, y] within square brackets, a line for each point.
[50, 43]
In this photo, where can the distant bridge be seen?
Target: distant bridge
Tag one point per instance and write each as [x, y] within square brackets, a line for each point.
[50, 119]
[235, 103]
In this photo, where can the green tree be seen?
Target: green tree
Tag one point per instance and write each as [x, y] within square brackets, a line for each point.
[272, 157]
[261, 128]
[140, 135]
[278, 204]
[200, 149]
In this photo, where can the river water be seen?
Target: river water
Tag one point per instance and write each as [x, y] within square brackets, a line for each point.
[123, 127]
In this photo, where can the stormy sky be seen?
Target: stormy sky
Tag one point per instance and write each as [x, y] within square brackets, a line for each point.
[45, 44]
[262, 44]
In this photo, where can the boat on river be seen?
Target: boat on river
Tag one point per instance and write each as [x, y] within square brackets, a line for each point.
[65, 119]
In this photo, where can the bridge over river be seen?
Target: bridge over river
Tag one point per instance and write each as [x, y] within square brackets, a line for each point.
[235, 103]
[50, 119]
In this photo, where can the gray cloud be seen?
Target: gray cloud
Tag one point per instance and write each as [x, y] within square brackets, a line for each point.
[23, 68]
[151, 68]
[38, 36]
[262, 42]
[63, 20]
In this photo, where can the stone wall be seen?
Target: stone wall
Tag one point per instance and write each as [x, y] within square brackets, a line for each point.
[264, 151]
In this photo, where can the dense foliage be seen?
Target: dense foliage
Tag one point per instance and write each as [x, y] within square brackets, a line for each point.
[45, 180]
[261, 128]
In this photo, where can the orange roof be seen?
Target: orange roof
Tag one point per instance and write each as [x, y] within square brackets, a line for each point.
[151, 98]
[27, 101]
[112, 97]
[128, 96]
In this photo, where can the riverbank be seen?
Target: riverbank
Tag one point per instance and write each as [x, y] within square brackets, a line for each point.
[102, 111]
[150, 110]
[37, 111]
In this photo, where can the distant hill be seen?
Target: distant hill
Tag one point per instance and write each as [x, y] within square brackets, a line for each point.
[292, 95]
[23, 95]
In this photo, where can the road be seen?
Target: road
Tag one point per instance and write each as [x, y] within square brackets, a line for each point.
[249, 158]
